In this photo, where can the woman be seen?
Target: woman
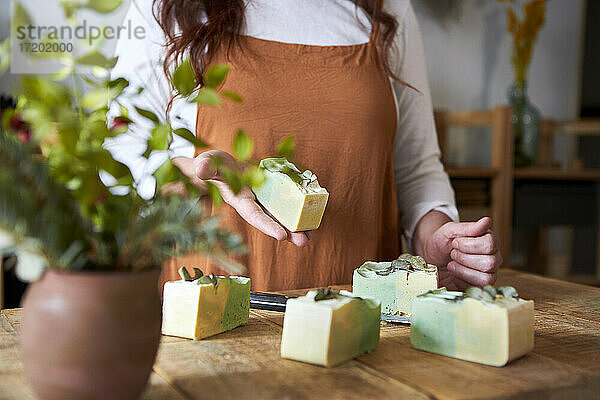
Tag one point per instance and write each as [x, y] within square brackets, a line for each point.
[348, 78]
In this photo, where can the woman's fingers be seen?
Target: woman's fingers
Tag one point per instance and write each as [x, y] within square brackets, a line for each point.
[244, 202]
[471, 276]
[486, 244]
[480, 262]
[466, 229]
[245, 205]
[186, 166]
[203, 164]
[300, 239]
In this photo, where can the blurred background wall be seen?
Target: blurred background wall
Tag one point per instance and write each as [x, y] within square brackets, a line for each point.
[468, 55]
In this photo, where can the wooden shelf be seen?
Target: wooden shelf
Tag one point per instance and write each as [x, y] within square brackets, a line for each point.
[542, 173]
[472, 172]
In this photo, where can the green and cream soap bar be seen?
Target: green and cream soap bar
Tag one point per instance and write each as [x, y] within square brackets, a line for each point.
[201, 306]
[395, 284]
[294, 198]
[327, 328]
[488, 326]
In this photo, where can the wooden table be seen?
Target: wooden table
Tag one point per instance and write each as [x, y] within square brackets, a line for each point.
[245, 363]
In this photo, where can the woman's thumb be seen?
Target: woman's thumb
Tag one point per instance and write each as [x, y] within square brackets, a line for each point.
[471, 229]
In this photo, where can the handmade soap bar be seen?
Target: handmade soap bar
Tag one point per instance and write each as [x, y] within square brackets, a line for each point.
[489, 326]
[395, 283]
[203, 306]
[327, 328]
[294, 198]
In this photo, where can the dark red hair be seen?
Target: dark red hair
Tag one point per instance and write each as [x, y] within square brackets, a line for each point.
[198, 27]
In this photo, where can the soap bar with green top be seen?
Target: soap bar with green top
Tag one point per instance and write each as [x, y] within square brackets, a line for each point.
[201, 306]
[327, 328]
[395, 283]
[294, 198]
[488, 326]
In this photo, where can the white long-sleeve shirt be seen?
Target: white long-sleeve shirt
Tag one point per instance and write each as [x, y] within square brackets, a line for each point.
[421, 182]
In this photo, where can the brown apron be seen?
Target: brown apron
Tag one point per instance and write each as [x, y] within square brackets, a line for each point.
[338, 102]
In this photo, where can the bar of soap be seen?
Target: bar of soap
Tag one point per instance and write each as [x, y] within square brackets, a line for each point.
[489, 326]
[294, 198]
[327, 328]
[395, 284]
[204, 306]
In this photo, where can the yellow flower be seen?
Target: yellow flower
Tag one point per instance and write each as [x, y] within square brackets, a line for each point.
[524, 32]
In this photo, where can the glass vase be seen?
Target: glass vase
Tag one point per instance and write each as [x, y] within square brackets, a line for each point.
[526, 126]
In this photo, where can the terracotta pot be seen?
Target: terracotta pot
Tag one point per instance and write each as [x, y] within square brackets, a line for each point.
[90, 335]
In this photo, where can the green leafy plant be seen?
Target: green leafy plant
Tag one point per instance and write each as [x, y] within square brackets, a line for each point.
[66, 203]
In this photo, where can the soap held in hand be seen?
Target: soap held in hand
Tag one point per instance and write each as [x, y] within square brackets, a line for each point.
[327, 328]
[488, 326]
[294, 198]
[395, 283]
[201, 306]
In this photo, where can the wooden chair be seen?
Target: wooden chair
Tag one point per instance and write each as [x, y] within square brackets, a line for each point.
[499, 174]
[573, 170]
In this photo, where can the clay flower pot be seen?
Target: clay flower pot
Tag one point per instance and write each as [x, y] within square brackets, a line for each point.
[90, 335]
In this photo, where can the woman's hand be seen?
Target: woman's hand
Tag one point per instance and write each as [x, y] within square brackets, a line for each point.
[466, 253]
[200, 171]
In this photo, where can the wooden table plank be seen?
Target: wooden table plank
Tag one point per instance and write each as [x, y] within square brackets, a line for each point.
[245, 362]
[565, 362]
[12, 378]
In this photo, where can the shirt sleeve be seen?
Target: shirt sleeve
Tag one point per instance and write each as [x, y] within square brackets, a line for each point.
[422, 185]
[140, 61]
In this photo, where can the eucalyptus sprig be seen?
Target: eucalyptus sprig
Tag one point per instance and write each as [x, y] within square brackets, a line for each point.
[326, 294]
[487, 294]
[65, 199]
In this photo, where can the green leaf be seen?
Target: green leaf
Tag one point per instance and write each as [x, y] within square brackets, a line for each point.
[255, 176]
[124, 110]
[117, 86]
[147, 114]
[96, 59]
[51, 94]
[4, 55]
[118, 170]
[90, 81]
[242, 146]
[103, 6]
[190, 137]
[233, 179]
[147, 152]
[184, 79]
[216, 162]
[166, 173]
[232, 96]
[20, 17]
[214, 193]
[286, 147]
[69, 7]
[215, 75]
[161, 137]
[59, 75]
[207, 96]
[95, 99]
